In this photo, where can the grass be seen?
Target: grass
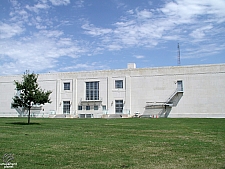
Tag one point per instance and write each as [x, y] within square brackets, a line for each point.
[114, 143]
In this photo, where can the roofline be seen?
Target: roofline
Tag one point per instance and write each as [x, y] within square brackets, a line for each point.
[131, 69]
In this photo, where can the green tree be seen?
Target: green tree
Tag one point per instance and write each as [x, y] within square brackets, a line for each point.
[30, 93]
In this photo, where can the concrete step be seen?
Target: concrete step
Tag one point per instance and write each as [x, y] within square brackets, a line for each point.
[60, 116]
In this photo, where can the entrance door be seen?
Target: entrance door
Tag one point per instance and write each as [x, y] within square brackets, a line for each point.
[66, 107]
[119, 106]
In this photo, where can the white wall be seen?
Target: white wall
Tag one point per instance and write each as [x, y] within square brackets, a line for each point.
[203, 90]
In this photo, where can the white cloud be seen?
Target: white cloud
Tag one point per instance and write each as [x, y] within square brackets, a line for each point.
[139, 56]
[59, 2]
[80, 3]
[189, 11]
[37, 7]
[200, 33]
[38, 52]
[10, 30]
[144, 14]
[85, 66]
[31, 32]
[92, 30]
[203, 50]
[190, 21]
[51, 33]
[114, 47]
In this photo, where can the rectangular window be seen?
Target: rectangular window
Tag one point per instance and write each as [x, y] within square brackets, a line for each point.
[88, 107]
[179, 85]
[89, 115]
[85, 115]
[103, 107]
[119, 84]
[66, 107]
[95, 107]
[81, 115]
[119, 106]
[67, 86]
[79, 107]
[92, 90]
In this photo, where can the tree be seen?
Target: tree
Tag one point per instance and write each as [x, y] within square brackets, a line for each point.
[30, 93]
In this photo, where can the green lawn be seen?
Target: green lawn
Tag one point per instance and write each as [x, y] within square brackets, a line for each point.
[114, 143]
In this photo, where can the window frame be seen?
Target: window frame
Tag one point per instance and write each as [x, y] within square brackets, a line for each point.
[92, 90]
[80, 107]
[118, 84]
[88, 107]
[66, 85]
[66, 106]
[180, 85]
[119, 106]
[103, 107]
[96, 107]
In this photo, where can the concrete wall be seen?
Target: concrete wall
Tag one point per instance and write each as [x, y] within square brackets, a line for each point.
[203, 90]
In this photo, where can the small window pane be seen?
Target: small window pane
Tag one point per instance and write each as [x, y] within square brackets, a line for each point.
[82, 115]
[179, 85]
[89, 115]
[79, 107]
[66, 86]
[88, 108]
[104, 107]
[119, 84]
[95, 107]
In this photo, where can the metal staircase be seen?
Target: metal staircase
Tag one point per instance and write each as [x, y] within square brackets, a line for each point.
[169, 100]
[35, 111]
[20, 111]
[160, 109]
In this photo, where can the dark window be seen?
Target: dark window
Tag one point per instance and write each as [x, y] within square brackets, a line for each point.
[79, 107]
[66, 107]
[119, 106]
[82, 115]
[92, 90]
[95, 107]
[119, 84]
[103, 107]
[67, 86]
[88, 107]
[85, 115]
[179, 85]
[89, 115]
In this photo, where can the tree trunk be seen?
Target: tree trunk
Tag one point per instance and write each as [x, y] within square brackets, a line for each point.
[29, 115]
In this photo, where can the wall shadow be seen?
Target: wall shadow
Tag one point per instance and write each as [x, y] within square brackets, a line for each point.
[175, 100]
[23, 123]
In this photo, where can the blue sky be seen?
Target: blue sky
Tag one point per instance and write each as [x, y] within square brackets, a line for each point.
[82, 35]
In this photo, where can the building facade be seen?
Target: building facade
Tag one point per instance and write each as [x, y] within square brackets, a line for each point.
[180, 91]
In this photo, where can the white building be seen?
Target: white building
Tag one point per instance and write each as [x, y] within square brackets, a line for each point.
[180, 91]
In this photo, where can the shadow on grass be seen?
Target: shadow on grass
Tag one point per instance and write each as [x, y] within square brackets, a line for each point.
[23, 123]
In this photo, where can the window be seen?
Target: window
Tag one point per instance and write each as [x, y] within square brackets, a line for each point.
[81, 115]
[92, 90]
[66, 107]
[179, 85]
[103, 107]
[119, 84]
[88, 107]
[95, 107]
[89, 115]
[119, 106]
[85, 115]
[79, 107]
[67, 86]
